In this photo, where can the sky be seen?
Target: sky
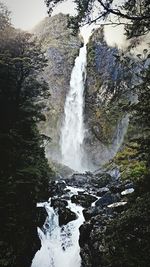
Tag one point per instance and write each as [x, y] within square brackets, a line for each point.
[27, 13]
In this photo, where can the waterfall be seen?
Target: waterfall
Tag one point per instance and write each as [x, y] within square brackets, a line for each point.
[72, 132]
[59, 245]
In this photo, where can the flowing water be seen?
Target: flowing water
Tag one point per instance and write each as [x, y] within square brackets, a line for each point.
[72, 133]
[59, 245]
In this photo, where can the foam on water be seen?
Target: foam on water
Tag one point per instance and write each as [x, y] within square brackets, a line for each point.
[72, 132]
[59, 245]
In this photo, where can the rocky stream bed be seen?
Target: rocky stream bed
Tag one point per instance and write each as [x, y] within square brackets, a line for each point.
[102, 197]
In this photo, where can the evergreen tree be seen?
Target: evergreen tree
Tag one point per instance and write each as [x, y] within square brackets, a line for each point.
[24, 171]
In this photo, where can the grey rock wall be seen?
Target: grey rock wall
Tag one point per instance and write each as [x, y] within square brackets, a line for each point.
[105, 122]
[61, 48]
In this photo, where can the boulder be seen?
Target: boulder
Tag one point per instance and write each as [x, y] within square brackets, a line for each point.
[57, 188]
[127, 191]
[107, 199]
[58, 203]
[103, 179]
[116, 188]
[90, 212]
[85, 200]
[66, 216]
[118, 206]
[102, 191]
[85, 230]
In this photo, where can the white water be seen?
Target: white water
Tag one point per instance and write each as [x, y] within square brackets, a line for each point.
[59, 245]
[72, 133]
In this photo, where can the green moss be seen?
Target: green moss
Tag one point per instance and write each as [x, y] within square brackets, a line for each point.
[138, 170]
[128, 161]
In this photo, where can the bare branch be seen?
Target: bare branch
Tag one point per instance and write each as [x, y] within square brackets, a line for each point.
[117, 12]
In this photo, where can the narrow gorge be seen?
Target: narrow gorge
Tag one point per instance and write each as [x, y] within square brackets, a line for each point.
[100, 126]
[75, 138]
[88, 133]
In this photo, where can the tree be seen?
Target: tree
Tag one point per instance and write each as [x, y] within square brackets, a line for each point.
[24, 170]
[135, 14]
[142, 115]
[4, 17]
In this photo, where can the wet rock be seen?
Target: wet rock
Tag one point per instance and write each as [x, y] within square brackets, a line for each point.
[129, 184]
[102, 191]
[116, 188]
[90, 212]
[41, 216]
[103, 179]
[58, 203]
[84, 200]
[66, 197]
[91, 182]
[127, 191]
[78, 179]
[107, 199]
[118, 206]
[85, 230]
[66, 216]
[91, 241]
[85, 253]
[57, 188]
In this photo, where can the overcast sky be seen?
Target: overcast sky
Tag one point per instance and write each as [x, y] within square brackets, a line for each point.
[27, 13]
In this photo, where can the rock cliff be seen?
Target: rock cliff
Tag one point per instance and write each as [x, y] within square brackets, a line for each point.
[105, 122]
[61, 48]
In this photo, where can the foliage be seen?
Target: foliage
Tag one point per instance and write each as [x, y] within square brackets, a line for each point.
[142, 115]
[131, 168]
[127, 237]
[135, 14]
[24, 171]
[4, 17]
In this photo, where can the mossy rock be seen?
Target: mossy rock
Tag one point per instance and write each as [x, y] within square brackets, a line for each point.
[131, 167]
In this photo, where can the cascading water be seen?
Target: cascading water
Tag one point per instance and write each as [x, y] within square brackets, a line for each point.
[72, 133]
[59, 245]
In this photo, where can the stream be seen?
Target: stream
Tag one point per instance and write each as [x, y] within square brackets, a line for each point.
[59, 244]
[60, 233]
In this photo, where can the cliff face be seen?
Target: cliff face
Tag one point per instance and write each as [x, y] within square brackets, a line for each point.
[61, 48]
[104, 120]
